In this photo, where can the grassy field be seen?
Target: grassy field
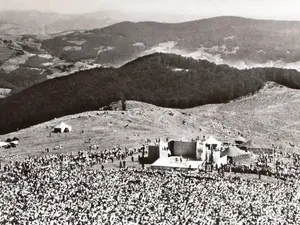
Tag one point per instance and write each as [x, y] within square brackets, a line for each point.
[258, 118]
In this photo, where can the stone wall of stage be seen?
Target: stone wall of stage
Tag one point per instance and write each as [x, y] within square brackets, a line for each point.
[153, 154]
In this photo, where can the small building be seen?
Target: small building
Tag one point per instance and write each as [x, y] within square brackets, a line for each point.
[213, 152]
[62, 128]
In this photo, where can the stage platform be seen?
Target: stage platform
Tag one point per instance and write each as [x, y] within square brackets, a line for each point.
[175, 162]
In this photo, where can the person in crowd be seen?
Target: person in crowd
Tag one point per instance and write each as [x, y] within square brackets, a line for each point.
[69, 189]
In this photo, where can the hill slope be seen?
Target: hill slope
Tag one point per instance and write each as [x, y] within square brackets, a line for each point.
[23, 63]
[160, 79]
[44, 24]
[266, 125]
[238, 42]
[235, 41]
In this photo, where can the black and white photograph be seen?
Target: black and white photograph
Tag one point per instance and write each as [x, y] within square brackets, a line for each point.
[149, 112]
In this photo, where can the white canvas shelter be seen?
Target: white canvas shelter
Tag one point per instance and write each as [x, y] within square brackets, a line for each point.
[234, 151]
[3, 144]
[14, 142]
[62, 127]
[212, 143]
[211, 151]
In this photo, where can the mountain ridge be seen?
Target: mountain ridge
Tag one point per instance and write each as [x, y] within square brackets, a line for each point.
[238, 42]
[142, 121]
[235, 41]
[152, 79]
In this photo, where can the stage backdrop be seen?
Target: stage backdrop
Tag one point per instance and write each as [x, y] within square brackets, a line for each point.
[183, 148]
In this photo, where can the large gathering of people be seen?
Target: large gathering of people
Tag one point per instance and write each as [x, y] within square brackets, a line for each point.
[72, 189]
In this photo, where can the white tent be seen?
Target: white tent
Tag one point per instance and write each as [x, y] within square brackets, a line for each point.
[14, 142]
[62, 127]
[212, 141]
[3, 144]
[211, 144]
[234, 151]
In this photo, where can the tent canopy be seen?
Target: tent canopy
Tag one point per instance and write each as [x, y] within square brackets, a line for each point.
[62, 127]
[234, 151]
[211, 140]
[3, 144]
[248, 145]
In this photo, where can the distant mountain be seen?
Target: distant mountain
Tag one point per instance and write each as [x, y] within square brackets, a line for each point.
[43, 24]
[235, 41]
[26, 22]
[11, 30]
[161, 79]
[23, 63]
[238, 42]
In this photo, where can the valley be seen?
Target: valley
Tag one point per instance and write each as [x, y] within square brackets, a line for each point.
[200, 63]
[238, 42]
[149, 112]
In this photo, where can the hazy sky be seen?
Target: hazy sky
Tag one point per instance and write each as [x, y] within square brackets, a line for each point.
[268, 9]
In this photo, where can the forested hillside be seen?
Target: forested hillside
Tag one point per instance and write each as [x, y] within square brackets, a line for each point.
[161, 79]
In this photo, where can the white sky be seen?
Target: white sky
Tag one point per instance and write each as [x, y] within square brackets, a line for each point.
[266, 9]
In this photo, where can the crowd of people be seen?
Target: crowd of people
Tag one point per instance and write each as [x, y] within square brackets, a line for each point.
[69, 189]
